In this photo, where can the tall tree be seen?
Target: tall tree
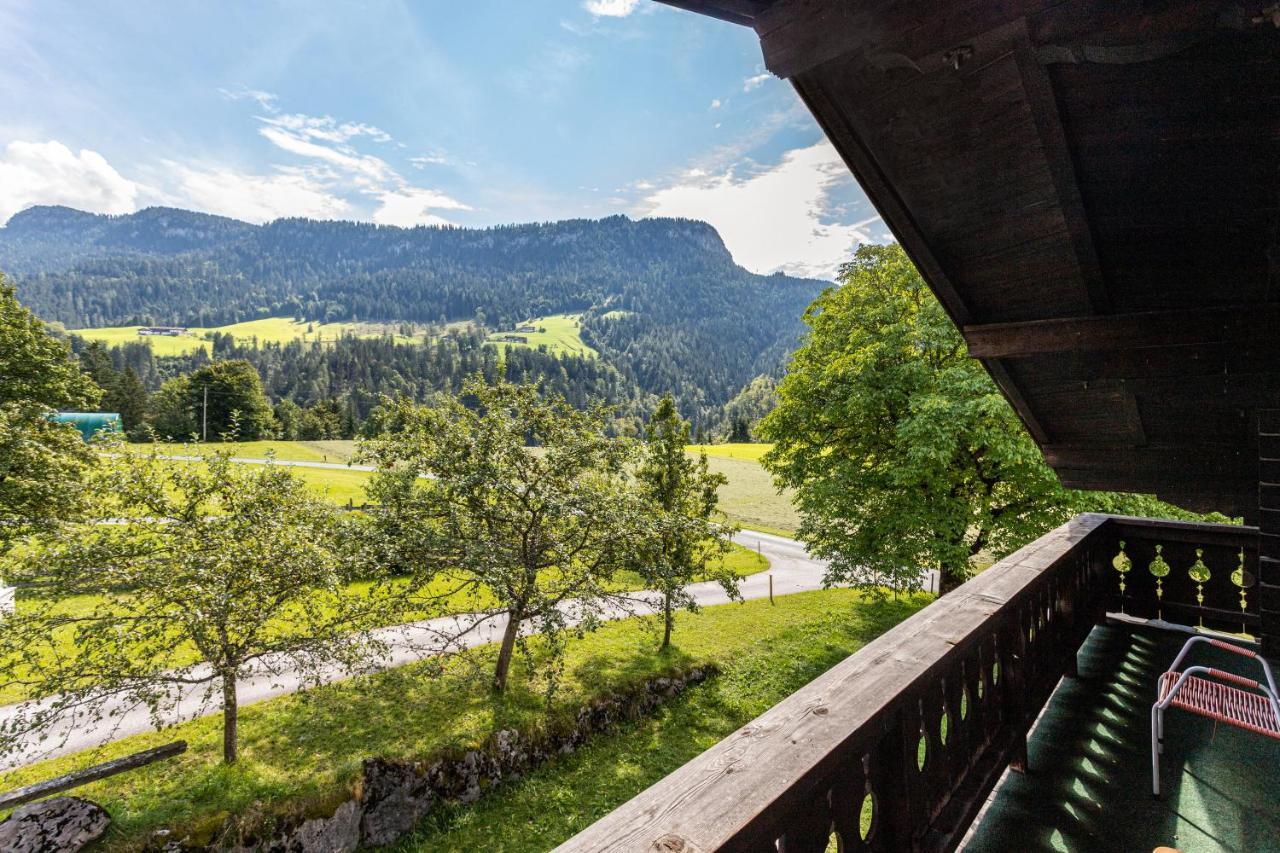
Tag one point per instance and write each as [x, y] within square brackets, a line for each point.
[211, 567]
[463, 496]
[902, 452]
[229, 394]
[41, 462]
[684, 542]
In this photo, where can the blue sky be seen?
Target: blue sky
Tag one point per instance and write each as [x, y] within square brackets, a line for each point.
[474, 113]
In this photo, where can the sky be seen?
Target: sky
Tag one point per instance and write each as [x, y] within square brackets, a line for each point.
[421, 112]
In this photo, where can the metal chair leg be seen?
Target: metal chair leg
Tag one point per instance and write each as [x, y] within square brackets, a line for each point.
[1155, 750]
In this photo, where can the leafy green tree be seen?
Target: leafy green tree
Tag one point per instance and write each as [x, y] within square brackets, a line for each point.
[288, 415]
[209, 571]
[170, 412]
[902, 451]
[463, 498]
[684, 543]
[129, 397]
[226, 394]
[41, 462]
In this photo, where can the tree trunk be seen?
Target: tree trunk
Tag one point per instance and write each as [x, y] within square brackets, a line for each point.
[230, 718]
[951, 577]
[667, 618]
[505, 653]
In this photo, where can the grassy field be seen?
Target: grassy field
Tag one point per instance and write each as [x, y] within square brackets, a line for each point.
[559, 333]
[305, 750]
[269, 330]
[741, 561]
[747, 452]
[748, 499]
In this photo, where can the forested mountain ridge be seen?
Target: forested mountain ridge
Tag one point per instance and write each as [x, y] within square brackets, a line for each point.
[662, 299]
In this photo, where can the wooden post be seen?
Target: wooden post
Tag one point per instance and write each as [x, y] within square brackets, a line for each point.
[771, 588]
[1267, 588]
[18, 796]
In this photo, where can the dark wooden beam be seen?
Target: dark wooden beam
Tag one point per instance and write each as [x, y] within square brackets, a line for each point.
[1038, 89]
[741, 12]
[1123, 331]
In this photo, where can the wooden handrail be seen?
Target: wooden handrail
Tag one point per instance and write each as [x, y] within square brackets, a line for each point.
[985, 657]
[75, 779]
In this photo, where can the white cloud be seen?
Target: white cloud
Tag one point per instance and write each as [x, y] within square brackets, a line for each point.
[611, 8]
[716, 104]
[51, 173]
[411, 206]
[755, 82]
[771, 219]
[256, 198]
[325, 128]
[265, 100]
[366, 169]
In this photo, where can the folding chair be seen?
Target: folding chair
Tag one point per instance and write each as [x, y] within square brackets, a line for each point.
[1240, 702]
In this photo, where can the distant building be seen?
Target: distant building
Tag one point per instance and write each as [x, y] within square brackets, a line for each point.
[168, 331]
[513, 339]
[90, 423]
[526, 328]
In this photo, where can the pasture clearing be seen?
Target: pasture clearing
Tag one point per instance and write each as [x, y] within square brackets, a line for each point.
[268, 330]
[561, 334]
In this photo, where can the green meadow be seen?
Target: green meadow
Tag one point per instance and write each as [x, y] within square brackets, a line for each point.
[561, 334]
[268, 330]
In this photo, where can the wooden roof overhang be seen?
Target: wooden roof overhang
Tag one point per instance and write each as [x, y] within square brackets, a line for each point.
[1091, 188]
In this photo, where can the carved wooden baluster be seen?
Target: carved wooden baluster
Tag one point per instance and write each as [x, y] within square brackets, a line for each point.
[1159, 570]
[1199, 573]
[1241, 579]
[1122, 564]
[866, 814]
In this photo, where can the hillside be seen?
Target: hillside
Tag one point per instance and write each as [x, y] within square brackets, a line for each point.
[660, 299]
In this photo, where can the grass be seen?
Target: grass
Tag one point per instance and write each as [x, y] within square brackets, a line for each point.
[749, 452]
[306, 749]
[559, 333]
[338, 450]
[748, 499]
[268, 330]
[741, 561]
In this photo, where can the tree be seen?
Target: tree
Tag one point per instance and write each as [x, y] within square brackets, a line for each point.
[129, 397]
[464, 498]
[902, 452]
[684, 544]
[230, 391]
[170, 412]
[901, 449]
[211, 568]
[41, 462]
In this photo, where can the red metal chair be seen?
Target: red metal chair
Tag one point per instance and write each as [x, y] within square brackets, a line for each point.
[1231, 699]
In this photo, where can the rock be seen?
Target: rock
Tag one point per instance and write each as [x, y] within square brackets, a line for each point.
[60, 825]
[395, 797]
[337, 834]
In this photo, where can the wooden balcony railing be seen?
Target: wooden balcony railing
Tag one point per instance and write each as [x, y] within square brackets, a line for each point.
[897, 747]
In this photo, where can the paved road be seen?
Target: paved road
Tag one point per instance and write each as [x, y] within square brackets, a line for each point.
[792, 569]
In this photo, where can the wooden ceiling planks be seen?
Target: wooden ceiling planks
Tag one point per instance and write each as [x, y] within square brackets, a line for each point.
[1092, 188]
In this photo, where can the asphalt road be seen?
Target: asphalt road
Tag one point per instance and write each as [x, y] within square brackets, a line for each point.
[791, 568]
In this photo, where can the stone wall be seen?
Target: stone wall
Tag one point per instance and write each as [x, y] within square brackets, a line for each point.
[393, 796]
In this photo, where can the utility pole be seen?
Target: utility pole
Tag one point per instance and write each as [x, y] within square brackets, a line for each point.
[204, 419]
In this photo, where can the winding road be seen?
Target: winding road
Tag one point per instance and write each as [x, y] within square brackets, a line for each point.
[790, 566]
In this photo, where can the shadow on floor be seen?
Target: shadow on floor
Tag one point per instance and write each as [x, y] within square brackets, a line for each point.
[1089, 786]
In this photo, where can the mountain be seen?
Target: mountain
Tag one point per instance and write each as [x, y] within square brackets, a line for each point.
[662, 299]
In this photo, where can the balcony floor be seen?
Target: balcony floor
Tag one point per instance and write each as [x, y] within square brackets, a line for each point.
[1089, 785]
